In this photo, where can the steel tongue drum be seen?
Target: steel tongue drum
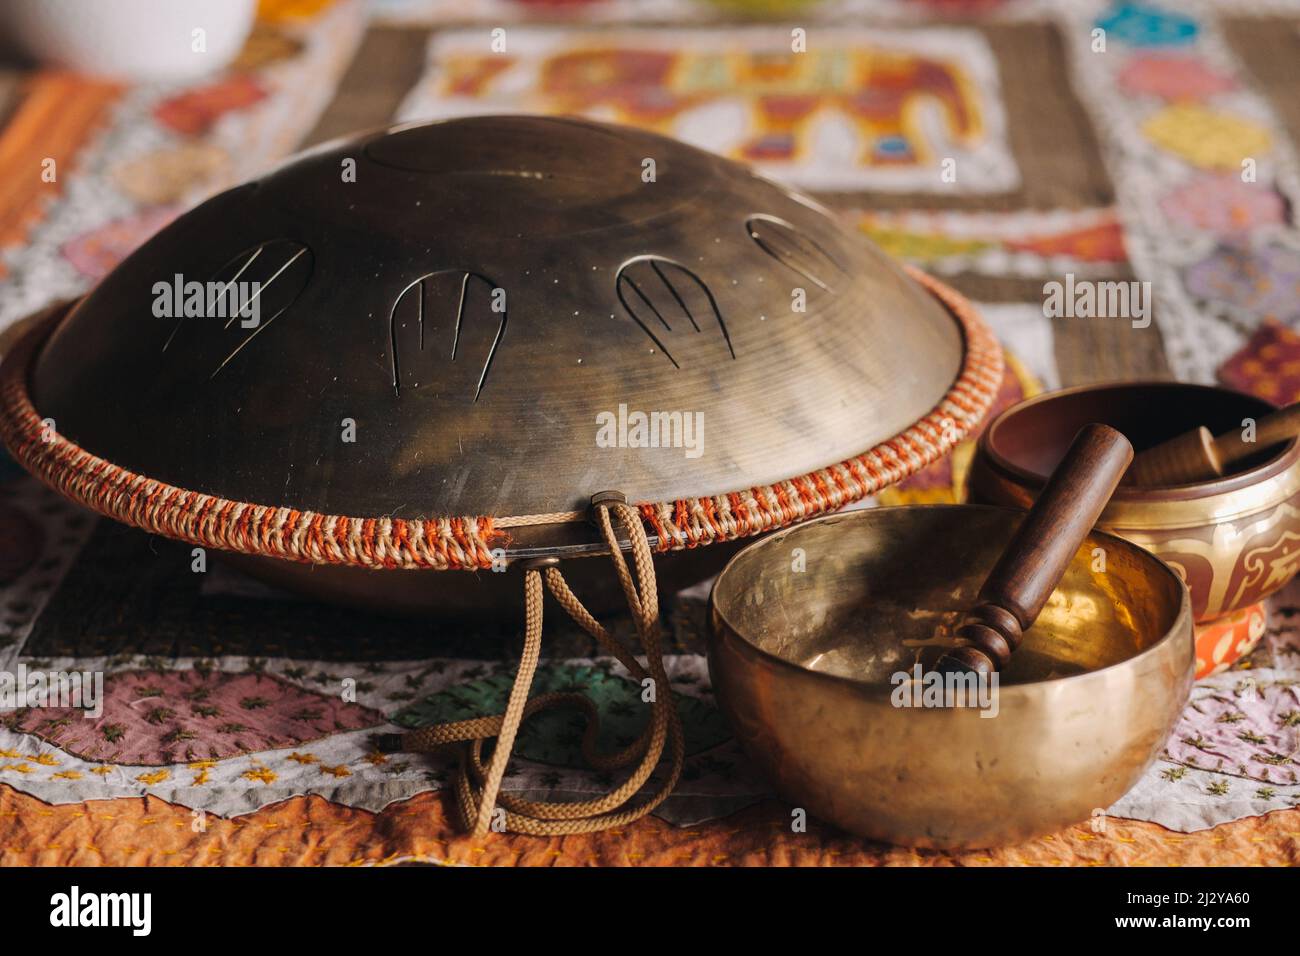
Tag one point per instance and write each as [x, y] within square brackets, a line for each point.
[427, 349]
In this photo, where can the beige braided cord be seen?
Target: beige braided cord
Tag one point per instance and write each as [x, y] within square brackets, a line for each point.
[477, 787]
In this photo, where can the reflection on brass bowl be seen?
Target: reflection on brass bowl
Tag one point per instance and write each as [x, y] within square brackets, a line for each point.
[802, 660]
[1234, 540]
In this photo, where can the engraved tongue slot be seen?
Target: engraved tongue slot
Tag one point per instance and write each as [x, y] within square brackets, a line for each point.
[251, 291]
[666, 300]
[444, 326]
[790, 247]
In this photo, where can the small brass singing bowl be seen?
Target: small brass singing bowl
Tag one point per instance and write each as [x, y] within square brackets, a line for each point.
[812, 628]
[1234, 539]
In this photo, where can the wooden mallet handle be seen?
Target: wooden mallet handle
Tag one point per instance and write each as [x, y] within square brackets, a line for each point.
[1273, 429]
[1198, 455]
[1033, 563]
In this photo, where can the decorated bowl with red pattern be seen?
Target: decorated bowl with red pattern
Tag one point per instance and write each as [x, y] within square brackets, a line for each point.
[1234, 540]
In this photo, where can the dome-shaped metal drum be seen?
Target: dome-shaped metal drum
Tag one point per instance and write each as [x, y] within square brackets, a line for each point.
[460, 331]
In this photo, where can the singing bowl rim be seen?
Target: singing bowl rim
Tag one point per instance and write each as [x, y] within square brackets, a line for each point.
[1180, 625]
[480, 542]
[1240, 493]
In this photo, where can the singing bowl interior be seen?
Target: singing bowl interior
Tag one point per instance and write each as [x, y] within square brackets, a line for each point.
[1234, 539]
[802, 664]
[1034, 435]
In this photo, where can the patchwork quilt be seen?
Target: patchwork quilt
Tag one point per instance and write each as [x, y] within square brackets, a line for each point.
[1000, 145]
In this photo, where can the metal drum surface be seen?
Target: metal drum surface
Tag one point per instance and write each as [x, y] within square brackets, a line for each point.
[475, 299]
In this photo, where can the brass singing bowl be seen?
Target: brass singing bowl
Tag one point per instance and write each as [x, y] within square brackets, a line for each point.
[802, 661]
[1234, 539]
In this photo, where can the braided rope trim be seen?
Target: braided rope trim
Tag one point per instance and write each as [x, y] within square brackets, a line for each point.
[468, 542]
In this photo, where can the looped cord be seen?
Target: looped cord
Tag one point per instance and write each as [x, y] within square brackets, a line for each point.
[477, 786]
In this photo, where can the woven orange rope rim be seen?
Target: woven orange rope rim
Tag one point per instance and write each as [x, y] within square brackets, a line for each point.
[467, 542]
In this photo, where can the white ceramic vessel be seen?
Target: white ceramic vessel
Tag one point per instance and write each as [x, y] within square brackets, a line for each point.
[129, 39]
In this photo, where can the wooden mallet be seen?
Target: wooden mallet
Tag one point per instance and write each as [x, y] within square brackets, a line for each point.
[1039, 552]
[1198, 455]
